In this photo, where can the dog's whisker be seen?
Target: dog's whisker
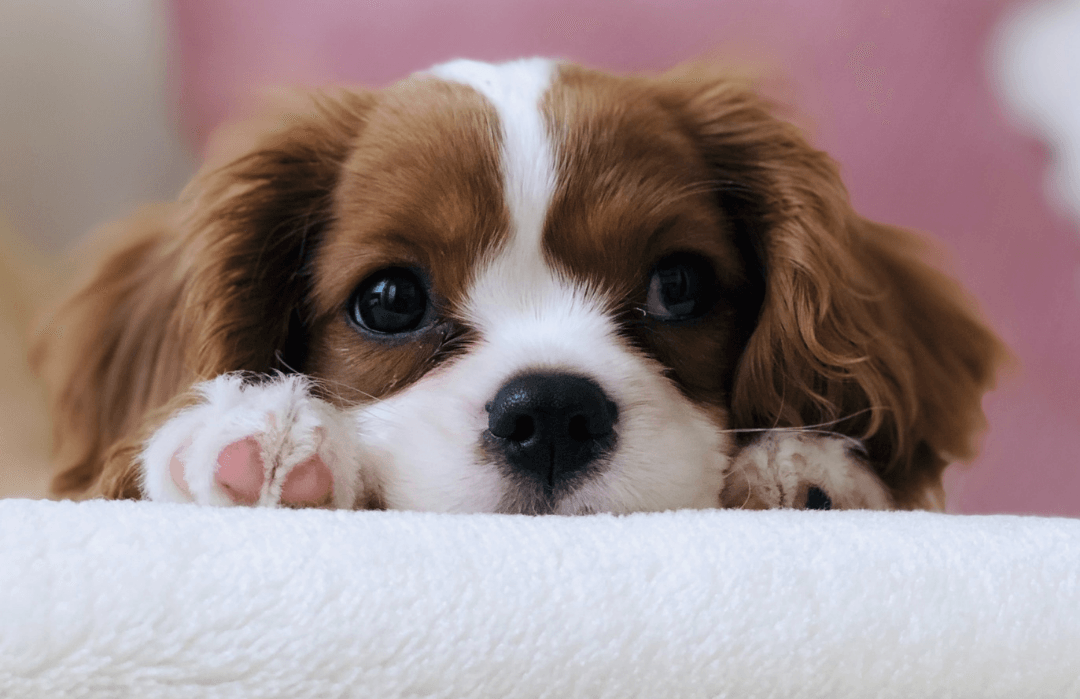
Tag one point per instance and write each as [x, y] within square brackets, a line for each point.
[326, 385]
[800, 430]
[827, 423]
[817, 428]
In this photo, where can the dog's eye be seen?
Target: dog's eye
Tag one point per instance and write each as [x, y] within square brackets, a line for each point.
[390, 301]
[681, 287]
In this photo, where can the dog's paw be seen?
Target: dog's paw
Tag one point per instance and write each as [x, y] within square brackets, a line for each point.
[262, 443]
[789, 468]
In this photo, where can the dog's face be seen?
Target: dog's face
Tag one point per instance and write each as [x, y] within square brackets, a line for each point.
[529, 269]
[538, 288]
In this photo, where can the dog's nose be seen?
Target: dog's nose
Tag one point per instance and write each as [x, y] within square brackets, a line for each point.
[551, 425]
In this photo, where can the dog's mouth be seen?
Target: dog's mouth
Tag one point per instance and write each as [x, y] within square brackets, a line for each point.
[527, 494]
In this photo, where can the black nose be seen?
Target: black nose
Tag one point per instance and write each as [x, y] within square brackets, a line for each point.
[551, 425]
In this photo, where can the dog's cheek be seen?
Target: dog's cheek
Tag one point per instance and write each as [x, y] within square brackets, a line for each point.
[423, 448]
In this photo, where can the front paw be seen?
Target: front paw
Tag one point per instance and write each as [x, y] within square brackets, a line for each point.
[803, 470]
[263, 443]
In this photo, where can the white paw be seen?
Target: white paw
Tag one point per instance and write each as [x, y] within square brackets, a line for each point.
[264, 443]
[788, 468]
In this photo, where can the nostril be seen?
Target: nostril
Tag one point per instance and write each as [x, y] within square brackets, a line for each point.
[524, 429]
[513, 425]
[578, 427]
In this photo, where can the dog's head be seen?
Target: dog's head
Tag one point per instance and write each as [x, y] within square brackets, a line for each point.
[546, 289]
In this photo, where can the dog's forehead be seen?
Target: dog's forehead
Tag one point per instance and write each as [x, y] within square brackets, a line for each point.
[533, 167]
[598, 178]
[516, 276]
[421, 188]
[516, 91]
[632, 184]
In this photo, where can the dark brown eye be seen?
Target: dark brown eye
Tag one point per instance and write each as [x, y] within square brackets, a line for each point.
[389, 302]
[681, 287]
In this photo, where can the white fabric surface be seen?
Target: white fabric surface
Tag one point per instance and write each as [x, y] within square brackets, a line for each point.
[121, 599]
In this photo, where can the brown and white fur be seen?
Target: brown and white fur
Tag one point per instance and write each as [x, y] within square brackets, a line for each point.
[215, 355]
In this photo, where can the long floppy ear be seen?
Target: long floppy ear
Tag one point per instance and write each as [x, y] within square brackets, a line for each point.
[255, 226]
[212, 283]
[856, 330]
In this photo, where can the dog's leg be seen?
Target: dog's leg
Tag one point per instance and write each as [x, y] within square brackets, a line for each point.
[789, 468]
[255, 443]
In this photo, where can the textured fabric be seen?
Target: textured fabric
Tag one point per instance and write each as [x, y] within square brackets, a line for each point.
[120, 599]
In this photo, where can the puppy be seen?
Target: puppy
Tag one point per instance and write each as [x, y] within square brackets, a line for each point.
[526, 288]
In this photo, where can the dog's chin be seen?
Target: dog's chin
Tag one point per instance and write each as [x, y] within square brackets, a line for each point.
[539, 501]
[530, 495]
[525, 496]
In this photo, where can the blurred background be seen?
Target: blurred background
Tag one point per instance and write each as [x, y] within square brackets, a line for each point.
[959, 118]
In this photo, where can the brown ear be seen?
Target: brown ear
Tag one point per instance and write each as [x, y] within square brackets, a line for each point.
[254, 227]
[212, 283]
[856, 330]
[114, 348]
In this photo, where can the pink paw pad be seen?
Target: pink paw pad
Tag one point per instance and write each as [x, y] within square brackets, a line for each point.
[309, 483]
[240, 473]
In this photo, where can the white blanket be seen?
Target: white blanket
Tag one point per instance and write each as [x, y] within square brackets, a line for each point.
[120, 599]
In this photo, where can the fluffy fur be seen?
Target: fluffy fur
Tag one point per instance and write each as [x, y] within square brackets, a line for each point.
[533, 199]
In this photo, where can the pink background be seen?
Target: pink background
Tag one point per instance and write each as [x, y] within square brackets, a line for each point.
[897, 92]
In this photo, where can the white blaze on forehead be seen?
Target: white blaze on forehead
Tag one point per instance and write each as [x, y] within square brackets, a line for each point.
[528, 168]
[517, 280]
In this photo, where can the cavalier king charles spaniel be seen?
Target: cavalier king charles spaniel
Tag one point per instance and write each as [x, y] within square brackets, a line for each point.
[523, 288]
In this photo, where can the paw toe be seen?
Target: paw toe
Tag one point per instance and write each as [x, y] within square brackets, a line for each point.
[309, 483]
[240, 471]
